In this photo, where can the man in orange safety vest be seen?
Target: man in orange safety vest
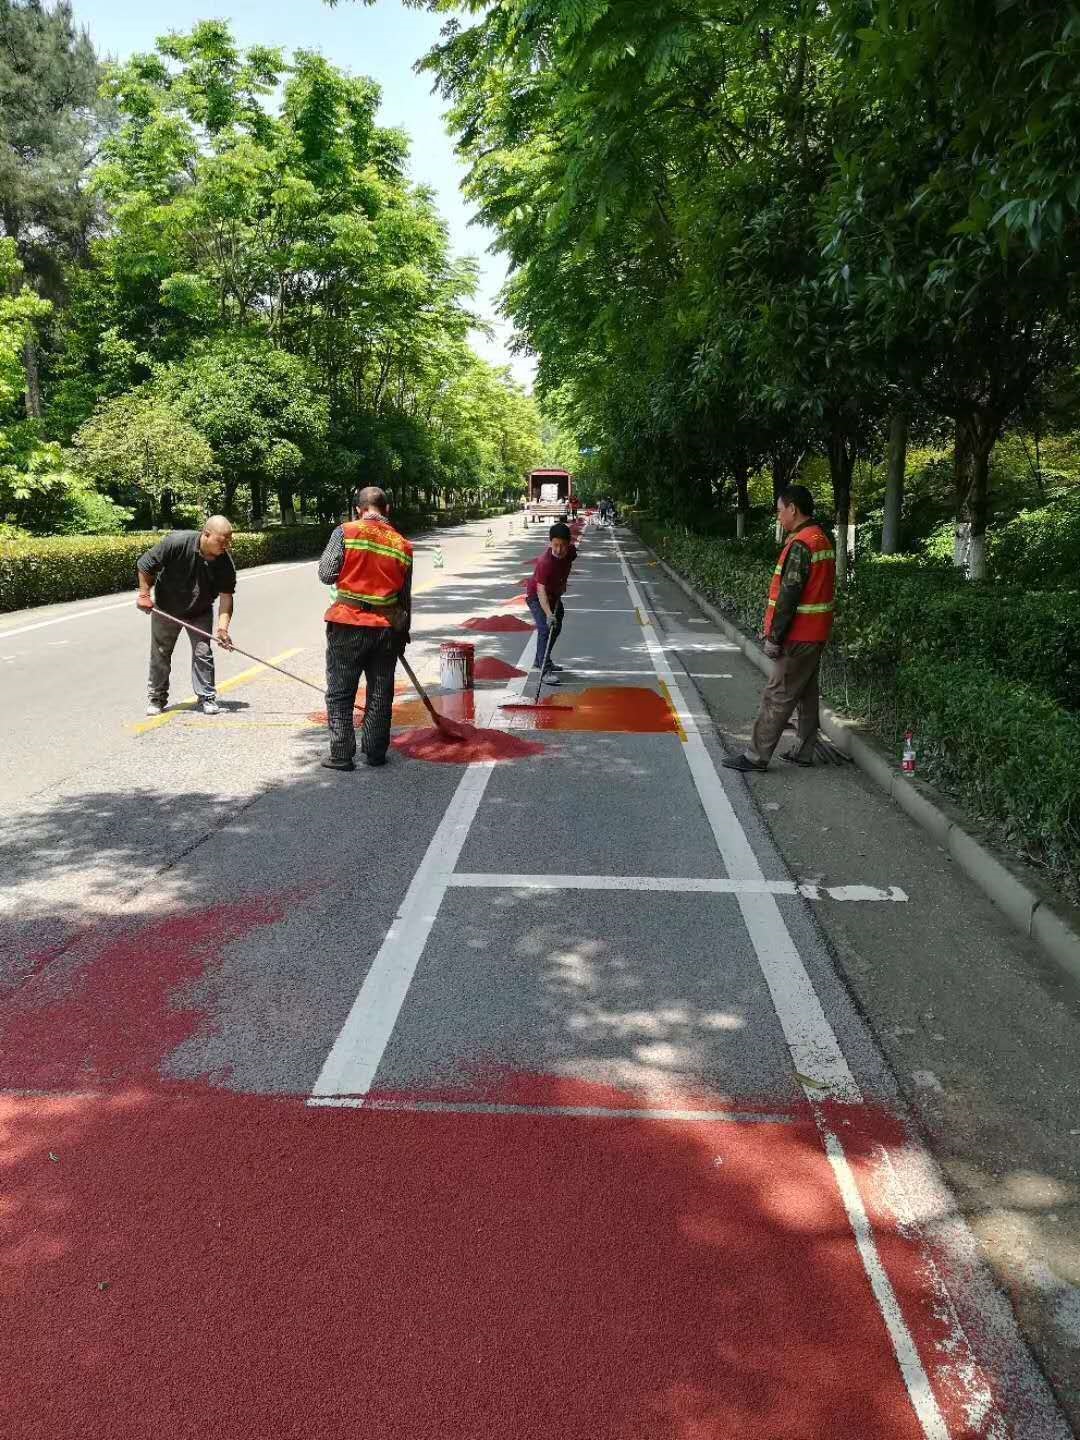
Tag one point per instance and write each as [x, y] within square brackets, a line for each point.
[367, 627]
[798, 623]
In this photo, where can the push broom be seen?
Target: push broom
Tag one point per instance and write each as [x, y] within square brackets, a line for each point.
[447, 728]
[536, 703]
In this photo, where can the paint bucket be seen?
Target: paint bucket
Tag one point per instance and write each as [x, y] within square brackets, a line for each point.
[456, 665]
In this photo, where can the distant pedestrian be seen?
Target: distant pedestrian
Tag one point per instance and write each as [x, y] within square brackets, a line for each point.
[798, 623]
[544, 594]
[367, 627]
[187, 571]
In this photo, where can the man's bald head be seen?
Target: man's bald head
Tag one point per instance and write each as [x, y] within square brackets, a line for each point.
[216, 536]
[372, 498]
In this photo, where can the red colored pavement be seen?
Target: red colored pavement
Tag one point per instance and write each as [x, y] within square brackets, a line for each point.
[200, 1264]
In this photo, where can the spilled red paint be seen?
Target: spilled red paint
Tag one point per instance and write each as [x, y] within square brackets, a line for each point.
[618, 709]
[663, 1279]
[478, 744]
[490, 667]
[494, 624]
[454, 704]
[107, 1008]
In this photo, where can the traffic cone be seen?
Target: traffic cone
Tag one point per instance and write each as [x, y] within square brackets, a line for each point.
[489, 540]
[439, 562]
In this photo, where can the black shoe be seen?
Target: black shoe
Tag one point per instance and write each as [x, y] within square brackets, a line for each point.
[375, 760]
[743, 764]
[332, 764]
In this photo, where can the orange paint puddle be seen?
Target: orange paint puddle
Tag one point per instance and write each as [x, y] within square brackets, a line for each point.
[618, 709]
[455, 705]
[515, 600]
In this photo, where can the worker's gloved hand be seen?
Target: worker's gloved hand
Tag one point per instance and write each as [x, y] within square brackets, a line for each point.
[145, 602]
[772, 650]
[221, 635]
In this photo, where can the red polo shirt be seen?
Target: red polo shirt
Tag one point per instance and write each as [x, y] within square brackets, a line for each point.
[552, 574]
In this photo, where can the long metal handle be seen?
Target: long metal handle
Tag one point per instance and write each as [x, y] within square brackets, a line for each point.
[246, 653]
[439, 719]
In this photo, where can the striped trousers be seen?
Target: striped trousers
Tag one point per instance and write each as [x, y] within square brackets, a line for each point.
[352, 651]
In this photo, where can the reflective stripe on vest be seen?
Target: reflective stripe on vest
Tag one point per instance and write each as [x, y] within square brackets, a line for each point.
[814, 616]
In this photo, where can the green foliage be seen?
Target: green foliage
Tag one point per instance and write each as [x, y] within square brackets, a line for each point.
[141, 447]
[46, 571]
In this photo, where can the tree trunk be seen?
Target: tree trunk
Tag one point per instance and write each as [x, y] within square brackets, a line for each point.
[962, 482]
[894, 482]
[285, 500]
[229, 506]
[742, 492]
[841, 468]
[980, 497]
[256, 502]
[33, 379]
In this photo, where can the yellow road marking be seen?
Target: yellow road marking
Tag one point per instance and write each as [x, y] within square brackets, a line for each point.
[233, 681]
[678, 723]
[638, 616]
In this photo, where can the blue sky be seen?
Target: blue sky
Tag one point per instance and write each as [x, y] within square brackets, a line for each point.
[383, 41]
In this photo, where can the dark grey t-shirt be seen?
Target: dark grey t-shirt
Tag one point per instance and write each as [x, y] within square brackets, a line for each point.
[185, 582]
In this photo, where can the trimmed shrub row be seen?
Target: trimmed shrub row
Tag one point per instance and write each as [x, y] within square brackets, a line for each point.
[52, 569]
[985, 676]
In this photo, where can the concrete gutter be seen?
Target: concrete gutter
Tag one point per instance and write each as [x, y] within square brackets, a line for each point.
[1052, 924]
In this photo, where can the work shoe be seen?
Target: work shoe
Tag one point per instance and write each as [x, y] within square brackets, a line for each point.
[549, 678]
[155, 707]
[374, 760]
[208, 707]
[743, 764]
[332, 764]
[558, 669]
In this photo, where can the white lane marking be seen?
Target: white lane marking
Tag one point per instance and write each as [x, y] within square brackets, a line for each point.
[815, 1050]
[356, 1054]
[584, 1112]
[681, 885]
[255, 572]
[918, 1384]
[354, 1058]
[573, 669]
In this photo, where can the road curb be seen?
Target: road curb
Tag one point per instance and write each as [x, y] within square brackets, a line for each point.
[1052, 925]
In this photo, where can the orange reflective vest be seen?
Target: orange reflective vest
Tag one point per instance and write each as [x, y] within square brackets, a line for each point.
[373, 575]
[814, 617]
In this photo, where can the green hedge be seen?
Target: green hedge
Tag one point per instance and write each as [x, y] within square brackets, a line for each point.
[986, 676]
[52, 569]
[56, 568]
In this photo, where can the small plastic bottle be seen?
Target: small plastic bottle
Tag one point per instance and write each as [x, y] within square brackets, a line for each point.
[907, 764]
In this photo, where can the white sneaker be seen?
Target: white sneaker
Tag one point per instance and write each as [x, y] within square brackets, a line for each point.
[550, 678]
[208, 707]
[153, 708]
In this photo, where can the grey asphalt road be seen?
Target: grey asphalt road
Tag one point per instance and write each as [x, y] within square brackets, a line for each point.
[609, 926]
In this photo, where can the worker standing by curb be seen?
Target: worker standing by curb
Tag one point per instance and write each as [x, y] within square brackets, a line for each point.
[798, 623]
[544, 594]
[367, 627]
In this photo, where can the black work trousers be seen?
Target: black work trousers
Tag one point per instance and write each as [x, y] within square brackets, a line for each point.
[352, 651]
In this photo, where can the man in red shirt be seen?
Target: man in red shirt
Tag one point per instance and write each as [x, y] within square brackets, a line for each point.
[544, 595]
